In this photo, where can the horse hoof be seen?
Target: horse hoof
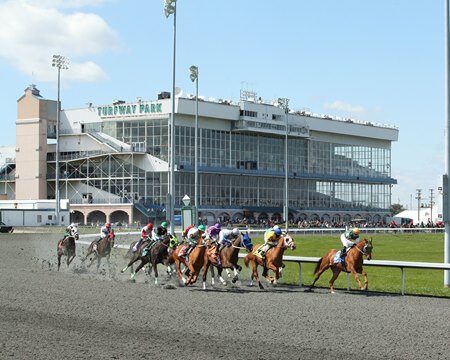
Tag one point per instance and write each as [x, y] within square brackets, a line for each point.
[332, 292]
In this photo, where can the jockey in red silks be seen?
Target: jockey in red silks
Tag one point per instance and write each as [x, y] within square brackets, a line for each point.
[105, 231]
[146, 233]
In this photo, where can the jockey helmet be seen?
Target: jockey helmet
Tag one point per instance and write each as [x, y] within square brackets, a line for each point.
[164, 224]
[108, 225]
[202, 228]
[217, 226]
[149, 226]
[235, 232]
[277, 230]
[355, 231]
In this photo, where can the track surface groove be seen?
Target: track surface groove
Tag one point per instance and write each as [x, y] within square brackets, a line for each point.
[80, 315]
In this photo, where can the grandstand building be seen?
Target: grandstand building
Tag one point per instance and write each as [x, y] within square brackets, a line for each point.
[113, 160]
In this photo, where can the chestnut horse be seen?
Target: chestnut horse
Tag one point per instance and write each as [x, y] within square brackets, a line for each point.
[274, 260]
[229, 256]
[353, 264]
[197, 262]
[156, 255]
[104, 248]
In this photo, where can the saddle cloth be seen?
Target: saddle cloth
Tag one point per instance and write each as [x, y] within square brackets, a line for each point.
[337, 258]
[257, 252]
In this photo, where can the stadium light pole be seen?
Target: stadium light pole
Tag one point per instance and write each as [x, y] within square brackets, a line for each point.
[61, 63]
[194, 77]
[446, 185]
[284, 104]
[170, 9]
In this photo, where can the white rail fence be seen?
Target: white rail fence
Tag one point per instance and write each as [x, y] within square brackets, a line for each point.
[402, 265]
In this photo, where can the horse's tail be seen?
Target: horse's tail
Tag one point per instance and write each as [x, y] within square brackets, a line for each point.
[319, 262]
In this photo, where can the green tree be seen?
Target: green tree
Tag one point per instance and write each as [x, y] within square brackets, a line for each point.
[396, 208]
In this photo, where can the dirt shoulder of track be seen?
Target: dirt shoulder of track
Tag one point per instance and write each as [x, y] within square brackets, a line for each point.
[81, 314]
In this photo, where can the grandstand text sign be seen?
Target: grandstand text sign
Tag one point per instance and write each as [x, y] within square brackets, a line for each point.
[129, 109]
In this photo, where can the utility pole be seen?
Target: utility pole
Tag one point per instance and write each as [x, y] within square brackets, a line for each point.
[431, 205]
[418, 197]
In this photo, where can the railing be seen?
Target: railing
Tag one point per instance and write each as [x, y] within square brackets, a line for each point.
[324, 231]
[402, 265]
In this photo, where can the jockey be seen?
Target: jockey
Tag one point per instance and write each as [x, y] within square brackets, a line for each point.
[226, 237]
[105, 231]
[184, 233]
[271, 238]
[146, 233]
[193, 236]
[213, 232]
[70, 230]
[348, 240]
[156, 235]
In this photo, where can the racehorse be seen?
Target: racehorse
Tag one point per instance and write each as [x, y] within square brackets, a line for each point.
[274, 260]
[229, 256]
[104, 248]
[353, 261]
[156, 255]
[195, 265]
[66, 247]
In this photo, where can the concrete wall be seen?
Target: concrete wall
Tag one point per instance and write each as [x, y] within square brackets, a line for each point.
[18, 217]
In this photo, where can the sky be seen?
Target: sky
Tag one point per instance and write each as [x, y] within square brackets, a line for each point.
[380, 61]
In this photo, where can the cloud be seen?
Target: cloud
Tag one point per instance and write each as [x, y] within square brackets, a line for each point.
[63, 3]
[344, 107]
[32, 31]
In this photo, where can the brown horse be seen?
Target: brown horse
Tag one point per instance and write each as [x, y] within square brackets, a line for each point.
[66, 247]
[195, 265]
[274, 260]
[353, 261]
[156, 255]
[229, 256]
[104, 248]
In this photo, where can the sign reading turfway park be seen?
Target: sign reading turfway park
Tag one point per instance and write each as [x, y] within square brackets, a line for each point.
[129, 109]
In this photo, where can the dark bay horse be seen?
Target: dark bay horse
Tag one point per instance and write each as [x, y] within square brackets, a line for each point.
[66, 247]
[104, 248]
[353, 261]
[274, 260]
[229, 256]
[156, 255]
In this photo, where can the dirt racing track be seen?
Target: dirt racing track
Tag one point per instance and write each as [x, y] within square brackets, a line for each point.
[80, 314]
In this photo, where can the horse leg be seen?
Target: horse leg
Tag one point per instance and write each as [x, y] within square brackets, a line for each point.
[318, 273]
[355, 275]
[59, 260]
[99, 259]
[333, 278]
[255, 274]
[205, 273]
[236, 273]
[155, 270]
[366, 281]
[219, 274]
[130, 264]
[228, 273]
[71, 259]
[144, 261]
[178, 269]
[213, 275]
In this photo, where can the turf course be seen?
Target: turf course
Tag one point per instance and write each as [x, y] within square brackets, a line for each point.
[402, 247]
